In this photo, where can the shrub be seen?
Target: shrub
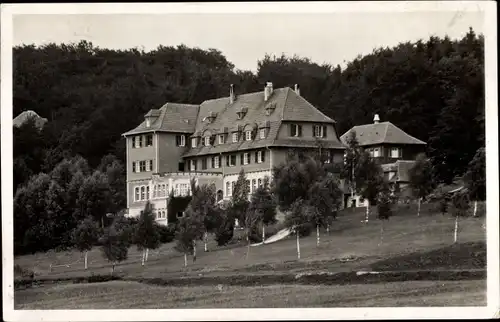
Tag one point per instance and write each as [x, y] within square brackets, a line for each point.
[167, 233]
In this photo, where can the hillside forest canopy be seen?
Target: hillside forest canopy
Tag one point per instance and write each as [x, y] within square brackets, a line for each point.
[433, 89]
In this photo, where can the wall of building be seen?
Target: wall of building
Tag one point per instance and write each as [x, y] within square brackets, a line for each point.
[409, 152]
[307, 131]
[169, 154]
[139, 154]
[252, 175]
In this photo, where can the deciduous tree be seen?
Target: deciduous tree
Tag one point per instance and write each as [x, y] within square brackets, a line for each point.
[475, 178]
[85, 236]
[421, 179]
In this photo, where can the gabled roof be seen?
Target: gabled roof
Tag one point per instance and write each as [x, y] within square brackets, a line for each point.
[171, 117]
[26, 115]
[379, 133]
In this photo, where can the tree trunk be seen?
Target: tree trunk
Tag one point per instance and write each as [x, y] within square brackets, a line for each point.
[205, 241]
[147, 254]
[298, 245]
[418, 211]
[102, 222]
[455, 234]
[86, 253]
[194, 251]
[475, 208]
[112, 268]
[381, 233]
[248, 243]
[367, 210]
[263, 233]
[328, 228]
[317, 235]
[185, 260]
[143, 256]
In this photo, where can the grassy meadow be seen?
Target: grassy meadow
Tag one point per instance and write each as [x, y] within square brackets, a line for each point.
[409, 243]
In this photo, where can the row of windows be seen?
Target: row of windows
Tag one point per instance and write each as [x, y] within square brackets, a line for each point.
[377, 152]
[245, 158]
[221, 138]
[142, 166]
[142, 193]
[140, 141]
[252, 186]
[319, 131]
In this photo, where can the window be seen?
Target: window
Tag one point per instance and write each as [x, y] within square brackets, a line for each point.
[376, 152]
[148, 166]
[232, 160]
[228, 189]
[155, 191]
[184, 189]
[246, 158]
[193, 142]
[192, 165]
[235, 137]
[176, 190]
[207, 141]
[254, 185]
[180, 140]
[204, 163]
[137, 195]
[248, 186]
[216, 162]
[138, 141]
[260, 183]
[328, 156]
[248, 135]
[262, 133]
[147, 193]
[149, 140]
[319, 131]
[395, 153]
[142, 166]
[143, 193]
[180, 214]
[295, 130]
[232, 185]
[221, 139]
[148, 123]
[260, 156]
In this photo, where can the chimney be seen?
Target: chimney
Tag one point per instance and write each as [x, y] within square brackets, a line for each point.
[297, 89]
[268, 91]
[231, 94]
[376, 119]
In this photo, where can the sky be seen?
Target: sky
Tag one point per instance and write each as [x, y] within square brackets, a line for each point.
[333, 38]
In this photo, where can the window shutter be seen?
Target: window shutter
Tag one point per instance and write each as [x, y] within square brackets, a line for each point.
[263, 155]
[256, 156]
[133, 166]
[290, 126]
[177, 140]
[213, 162]
[241, 158]
[324, 130]
[300, 129]
[249, 158]
[227, 160]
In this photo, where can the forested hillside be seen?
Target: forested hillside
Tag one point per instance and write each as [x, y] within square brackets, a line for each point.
[433, 89]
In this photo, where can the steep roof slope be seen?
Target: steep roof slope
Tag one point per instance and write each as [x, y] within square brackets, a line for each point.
[171, 117]
[378, 133]
[287, 106]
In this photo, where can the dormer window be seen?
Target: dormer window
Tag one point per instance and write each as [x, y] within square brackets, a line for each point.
[222, 138]
[211, 117]
[148, 122]
[193, 142]
[248, 135]
[241, 113]
[395, 153]
[235, 137]
[270, 108]
[207, 140]
[262, 134]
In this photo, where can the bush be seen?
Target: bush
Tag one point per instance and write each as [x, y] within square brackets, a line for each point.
[225, 232]
[167, 233]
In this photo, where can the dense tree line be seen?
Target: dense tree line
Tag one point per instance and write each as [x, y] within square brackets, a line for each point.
[72, 168]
